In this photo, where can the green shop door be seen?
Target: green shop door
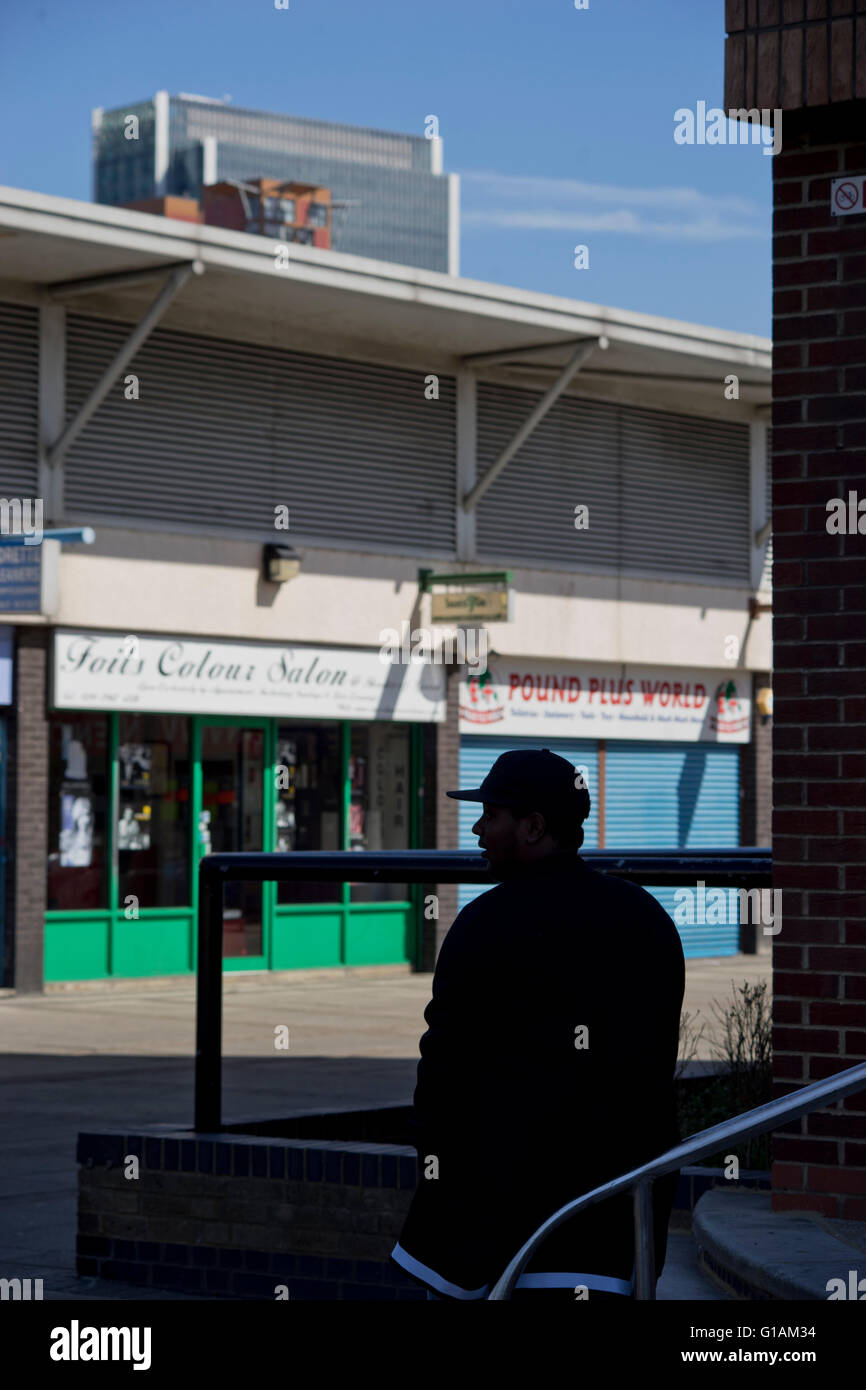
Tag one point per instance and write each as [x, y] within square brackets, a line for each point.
[234, 810]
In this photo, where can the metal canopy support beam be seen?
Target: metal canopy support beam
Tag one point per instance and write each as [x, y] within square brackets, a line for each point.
[63, 288]
[467, 437]
[176, 282]
[572, 367]
[52, 404]
[493, 359]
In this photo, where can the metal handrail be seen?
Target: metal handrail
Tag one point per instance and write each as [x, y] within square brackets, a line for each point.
[662, 868]
[640, 1180]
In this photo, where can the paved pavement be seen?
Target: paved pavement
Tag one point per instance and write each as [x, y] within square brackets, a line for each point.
[82, 1058]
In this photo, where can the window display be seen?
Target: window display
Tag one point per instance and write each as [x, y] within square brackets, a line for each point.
[379, 800]
[307, 802]
[78, 787]
[232, 820]
[153, 810]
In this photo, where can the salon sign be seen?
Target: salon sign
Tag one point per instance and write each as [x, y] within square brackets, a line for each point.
[550, 700]
[192, 675]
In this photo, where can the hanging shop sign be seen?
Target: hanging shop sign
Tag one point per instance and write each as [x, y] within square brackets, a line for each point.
[191, 675]
[489, 605]
[463, 599]
[517, 697]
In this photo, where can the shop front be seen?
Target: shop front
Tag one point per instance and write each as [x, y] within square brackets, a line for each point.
[6, 696]
[659, 749]
[163, 749]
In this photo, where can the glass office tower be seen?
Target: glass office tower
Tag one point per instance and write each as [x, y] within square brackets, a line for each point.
[393, 201]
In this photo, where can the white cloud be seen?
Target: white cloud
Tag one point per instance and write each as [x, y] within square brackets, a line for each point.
[666, 214]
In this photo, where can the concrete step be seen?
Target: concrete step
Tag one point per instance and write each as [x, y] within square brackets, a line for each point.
[682, 1280]
[782, 1256]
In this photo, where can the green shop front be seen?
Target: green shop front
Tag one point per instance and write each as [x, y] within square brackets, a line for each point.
[162, 749]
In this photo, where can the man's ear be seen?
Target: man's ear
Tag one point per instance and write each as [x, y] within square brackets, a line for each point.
[537, 828]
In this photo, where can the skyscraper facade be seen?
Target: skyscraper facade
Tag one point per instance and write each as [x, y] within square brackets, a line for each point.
[393, 202]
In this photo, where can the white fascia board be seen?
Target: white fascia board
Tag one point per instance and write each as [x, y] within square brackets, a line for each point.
[151, 235]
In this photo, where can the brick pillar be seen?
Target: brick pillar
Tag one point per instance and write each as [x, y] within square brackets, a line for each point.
[756, 802]
[763, 746]
[27, 806]
[819, 586]
[756, 774]
[443, 814]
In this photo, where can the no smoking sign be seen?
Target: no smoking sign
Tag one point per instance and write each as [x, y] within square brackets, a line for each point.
[848, 195]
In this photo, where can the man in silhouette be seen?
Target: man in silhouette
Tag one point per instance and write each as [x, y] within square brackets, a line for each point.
[547, 1067]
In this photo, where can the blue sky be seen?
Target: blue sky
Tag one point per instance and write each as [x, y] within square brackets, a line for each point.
[559, 121]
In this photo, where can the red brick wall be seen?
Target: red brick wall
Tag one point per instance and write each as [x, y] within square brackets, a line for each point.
[447, 779]
[819, 585]
[794, 53]
[27, 802]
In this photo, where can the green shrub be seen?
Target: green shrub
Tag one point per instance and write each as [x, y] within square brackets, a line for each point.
[746, 1050]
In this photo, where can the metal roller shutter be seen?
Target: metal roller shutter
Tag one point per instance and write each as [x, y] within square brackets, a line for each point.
[767, 571]
[478, 753]
[667, 494]
[19, 400]
[571, 457]
[223, 432]
[676, 796]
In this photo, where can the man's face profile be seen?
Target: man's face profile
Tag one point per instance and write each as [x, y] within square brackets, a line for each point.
[507, 840]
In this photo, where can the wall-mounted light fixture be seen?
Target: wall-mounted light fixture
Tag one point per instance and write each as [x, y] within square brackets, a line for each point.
[764, 702]
[281, 563]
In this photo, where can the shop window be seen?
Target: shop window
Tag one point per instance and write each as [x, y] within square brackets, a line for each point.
[153, 836]
[232, 820]
[308, 792]
[379, 800]
[77, 810]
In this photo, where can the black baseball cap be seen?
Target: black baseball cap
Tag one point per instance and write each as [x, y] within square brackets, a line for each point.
[533, 778]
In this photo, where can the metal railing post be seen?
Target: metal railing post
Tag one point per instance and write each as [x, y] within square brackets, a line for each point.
[209, 1020]
[644, 1241]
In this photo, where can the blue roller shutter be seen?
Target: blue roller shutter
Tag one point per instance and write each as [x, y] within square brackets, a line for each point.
[676, 796]
[478, 753]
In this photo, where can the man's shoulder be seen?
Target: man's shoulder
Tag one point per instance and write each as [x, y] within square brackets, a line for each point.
[476, 923]
[480, 912]
[621, 893]
[631, 910]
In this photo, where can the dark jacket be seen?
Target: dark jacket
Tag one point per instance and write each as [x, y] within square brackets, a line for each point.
[520, 1119]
